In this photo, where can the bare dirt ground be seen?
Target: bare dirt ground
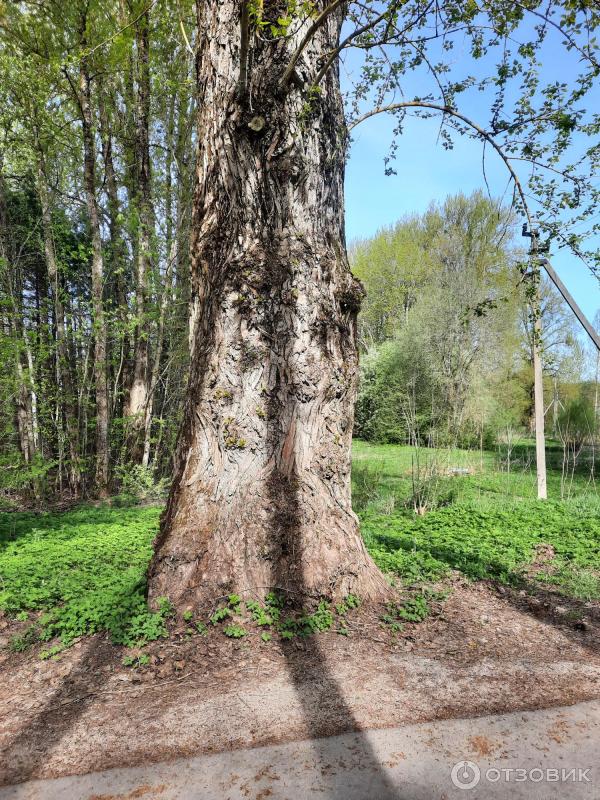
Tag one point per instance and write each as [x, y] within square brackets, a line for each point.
[484, 650]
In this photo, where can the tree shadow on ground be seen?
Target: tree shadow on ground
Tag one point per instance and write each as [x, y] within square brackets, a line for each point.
[577, 619]
[324, 705]
[24, 756]
[26, 753]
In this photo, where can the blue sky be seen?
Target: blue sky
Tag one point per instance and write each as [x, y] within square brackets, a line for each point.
[427, 172]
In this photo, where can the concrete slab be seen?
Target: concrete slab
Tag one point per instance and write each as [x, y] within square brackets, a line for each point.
[539, 755]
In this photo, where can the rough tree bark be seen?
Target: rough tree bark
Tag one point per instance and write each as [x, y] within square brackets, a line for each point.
[261, 490]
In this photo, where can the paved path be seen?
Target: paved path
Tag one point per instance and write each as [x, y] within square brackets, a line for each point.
[539, 755]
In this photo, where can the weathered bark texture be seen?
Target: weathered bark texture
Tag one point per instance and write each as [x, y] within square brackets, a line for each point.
[261, 492]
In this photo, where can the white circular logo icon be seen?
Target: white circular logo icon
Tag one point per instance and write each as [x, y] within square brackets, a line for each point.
[465, 775]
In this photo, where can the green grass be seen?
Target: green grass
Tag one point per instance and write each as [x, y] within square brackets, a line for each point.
[490, 483]
[490, 526]
[484, 543]
[85, 569]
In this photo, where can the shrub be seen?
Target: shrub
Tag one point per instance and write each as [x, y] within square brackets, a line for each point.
[366, 484]
[139, 482]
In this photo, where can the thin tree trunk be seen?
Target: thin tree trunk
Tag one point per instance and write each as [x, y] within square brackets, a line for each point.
[13, 291]
[24, 408]
[160, 337]
[65, 388]
[118, 259]
[138, 397]
[100, 372]
[261, 491]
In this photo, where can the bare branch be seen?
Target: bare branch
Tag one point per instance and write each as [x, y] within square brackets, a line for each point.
[289, 71]
[452, 112]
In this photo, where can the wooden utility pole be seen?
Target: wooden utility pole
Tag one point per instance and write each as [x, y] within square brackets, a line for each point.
[536, 264]
[538, 392]
[538, 376]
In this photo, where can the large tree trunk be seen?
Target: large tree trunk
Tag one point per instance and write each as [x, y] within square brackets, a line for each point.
[261, 491]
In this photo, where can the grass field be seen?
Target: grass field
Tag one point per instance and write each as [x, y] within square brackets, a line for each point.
[488, 523]
[85, 569]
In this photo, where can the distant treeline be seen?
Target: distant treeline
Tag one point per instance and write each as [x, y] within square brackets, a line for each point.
[446, 334]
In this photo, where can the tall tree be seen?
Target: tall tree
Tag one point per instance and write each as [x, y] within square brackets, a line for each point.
[84, 101]
[137, 408]
[96, 124]
[260, 495]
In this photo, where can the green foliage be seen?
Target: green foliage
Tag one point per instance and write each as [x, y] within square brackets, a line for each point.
[307, 624]
[235, 631]
[17, 475]
[279, 27]
[446, 349]
[135, 660]
[234, 603]
[415, 609]
[259, 614]
[485, 533]
[531, 115]
[431, 488]
[136, 481]
[277, 614]
[573, 581]
[395, 378]
[52, 652]
[72, 574]
[481, 543]
[350, 601]
[366, 482]
[53, 384]
[85, 570]
[320, 620]
[442, 270]
[219, 615]
[22, 641]
[576, 421]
